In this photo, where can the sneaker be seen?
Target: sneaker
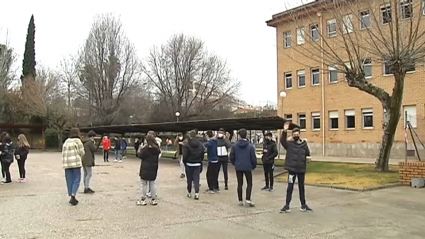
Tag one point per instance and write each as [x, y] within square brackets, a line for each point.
[209, 191]
[154, 202]
[240, 203]
[5, 182]
[182, 175]
[249, 203]
[141, 202]
[266, 188]
[306, 208]
[116, 161]
[189, 195]
[216, 190]
[285, 209]
[90, 190]
[196, 196]
[270, 189]
[226, 187]
[73, 201]
[120, 161]
[19, 180]
[23, 180]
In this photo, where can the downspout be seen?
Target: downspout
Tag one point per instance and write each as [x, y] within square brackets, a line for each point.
[322, 85]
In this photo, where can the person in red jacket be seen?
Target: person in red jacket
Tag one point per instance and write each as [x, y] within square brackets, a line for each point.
[106, 147]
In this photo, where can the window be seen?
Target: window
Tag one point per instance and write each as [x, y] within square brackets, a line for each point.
[287, 42]
[411, 68]
[367, 68]
[315, 76]
[300, 36]
[386, 14]
[350, 119]
[315, 121]
[348, 65]
[423, 7]
[333, 75]
[301, 78]
[406, 9]
[388, 69]
[314, 32]
[365, 19]
[301, 121]
[367, 116]
[331, 25]
[333, 120]
[347, 22]
[288, 80]
[410, 115]
[288, 117]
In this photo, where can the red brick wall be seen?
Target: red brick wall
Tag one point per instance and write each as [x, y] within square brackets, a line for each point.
[409, 170]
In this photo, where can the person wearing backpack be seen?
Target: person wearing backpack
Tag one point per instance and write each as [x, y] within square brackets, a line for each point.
[6, 156]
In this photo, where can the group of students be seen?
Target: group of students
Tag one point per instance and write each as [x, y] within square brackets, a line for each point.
[120, 149]
[9, 152]
[192, 151]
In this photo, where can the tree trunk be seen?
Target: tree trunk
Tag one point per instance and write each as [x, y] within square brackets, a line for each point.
[60, 138]
[391, 118]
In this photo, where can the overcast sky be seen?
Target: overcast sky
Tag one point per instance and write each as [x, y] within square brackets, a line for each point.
[233, 29]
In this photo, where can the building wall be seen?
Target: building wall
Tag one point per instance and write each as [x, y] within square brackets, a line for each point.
[358, 142]
[409, 170]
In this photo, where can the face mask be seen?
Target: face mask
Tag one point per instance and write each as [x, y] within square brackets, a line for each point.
[180, 138]
[296, 138]
[220, 135]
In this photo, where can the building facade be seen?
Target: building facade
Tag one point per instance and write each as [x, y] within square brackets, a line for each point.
[339, 120]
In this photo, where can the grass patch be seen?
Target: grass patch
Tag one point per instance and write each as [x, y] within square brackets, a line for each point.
[347, 175]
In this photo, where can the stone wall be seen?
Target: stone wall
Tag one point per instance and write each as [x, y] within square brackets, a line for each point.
[409, 170]
[362, 150]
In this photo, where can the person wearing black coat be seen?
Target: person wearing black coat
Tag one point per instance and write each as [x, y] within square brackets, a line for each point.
[269, 154]
[296, 158]
[149, 155]
[7, 154]
[21, 155]
[193, 154]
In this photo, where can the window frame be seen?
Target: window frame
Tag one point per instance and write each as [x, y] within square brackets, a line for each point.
[288, 118]
[299, 118]
[346, 119]
[331, 117]
[312, 76]
[331, 69]
[328, 24]
[367, 62]
[403, 4]
[387, 8]
[315, 116]
[347, 24]
[285, 40]
[362, 25]
[423, 7]
[314, 28]
[384, 69]
[298, 78]
[415, 122]
[286, 82]
[367, 113]
[300, 36]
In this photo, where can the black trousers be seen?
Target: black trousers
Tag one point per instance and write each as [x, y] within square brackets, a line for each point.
[248, 176]
[3, 173]
[21, 167]
[212, 175]
[268, 174]
[292, 176]
[193, 175]
[106, 155]
[5, 167]
[223, 164]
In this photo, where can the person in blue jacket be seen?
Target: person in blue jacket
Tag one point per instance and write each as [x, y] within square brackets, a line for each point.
[213, 163]
[243, 157]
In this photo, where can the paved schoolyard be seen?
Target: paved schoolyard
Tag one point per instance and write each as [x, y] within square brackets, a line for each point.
[40, 209]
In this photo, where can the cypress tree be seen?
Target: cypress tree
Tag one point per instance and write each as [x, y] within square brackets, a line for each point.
[28, 63]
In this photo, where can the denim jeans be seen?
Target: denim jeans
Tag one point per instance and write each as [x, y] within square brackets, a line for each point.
[118, 154]
[73, 178]
[88, 172]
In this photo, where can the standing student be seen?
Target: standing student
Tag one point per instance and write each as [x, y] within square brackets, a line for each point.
[3, 172]
[243, 156]
[269, 154]
[213, 165]
[72, 152]
[88, 160]
[223, 145]
[193, 154]
[106, 147]
[6, 156]
[124, 145]
[21, 155]
[297, 155]
[178, 143]
[118, 152]
[149, 170]
[158, 142]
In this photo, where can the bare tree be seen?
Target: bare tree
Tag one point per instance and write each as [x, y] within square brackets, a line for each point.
[7, 77]
[69, 78]
[108, 69]
[43, 97]
[186, 78]
[399, 43]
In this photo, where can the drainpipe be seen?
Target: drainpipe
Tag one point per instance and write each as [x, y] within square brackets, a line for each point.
[322, 85]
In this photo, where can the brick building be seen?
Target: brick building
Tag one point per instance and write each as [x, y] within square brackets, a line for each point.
[339, 120]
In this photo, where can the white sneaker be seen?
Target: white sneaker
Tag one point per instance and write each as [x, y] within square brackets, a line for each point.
[120, 161]
[116, 161]
[249, 203]
[148, 195]
[240, 203]
[141, 202]
[189, 195]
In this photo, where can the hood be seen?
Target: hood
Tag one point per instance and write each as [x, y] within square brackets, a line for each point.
[194, 143]
[242, 143]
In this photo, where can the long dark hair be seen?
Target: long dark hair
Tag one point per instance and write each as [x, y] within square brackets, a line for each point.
[2, 135]
[151, 142]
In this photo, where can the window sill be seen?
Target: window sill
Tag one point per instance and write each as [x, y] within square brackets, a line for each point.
[410, 72]
[333, 82]
[299, 44]
[303, 130]
[315, 84]
[331, 36]
[350, 129]
[315, 130]
[334, 129]
[368, 127]
[286, 47]
[365, 28]
[387, 75]
[288, 88]
[369, 77]
[301, 86]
